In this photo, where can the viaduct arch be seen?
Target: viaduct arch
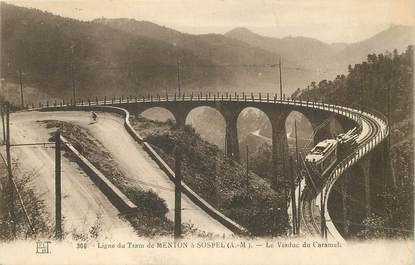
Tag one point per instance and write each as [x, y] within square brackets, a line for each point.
[231, 110]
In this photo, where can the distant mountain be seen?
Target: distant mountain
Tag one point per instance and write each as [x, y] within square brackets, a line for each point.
[303, 50]
[110, 61]
[242, 57]
[325, 61]
[395, 37]
[105, 61]
[338, 46]
[214, 47]
[312, 56]
[125, 56]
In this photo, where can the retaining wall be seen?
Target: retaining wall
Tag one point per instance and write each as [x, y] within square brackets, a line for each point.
[110, 190]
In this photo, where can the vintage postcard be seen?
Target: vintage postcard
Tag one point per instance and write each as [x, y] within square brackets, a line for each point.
[207, 132]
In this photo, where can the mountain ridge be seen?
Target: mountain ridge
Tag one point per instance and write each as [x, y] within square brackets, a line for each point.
[127, 56]
[329, 59]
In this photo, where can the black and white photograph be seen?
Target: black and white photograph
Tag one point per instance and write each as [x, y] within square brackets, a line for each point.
[207, 132]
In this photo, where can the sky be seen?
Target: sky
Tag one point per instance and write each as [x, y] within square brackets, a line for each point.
[327, 20]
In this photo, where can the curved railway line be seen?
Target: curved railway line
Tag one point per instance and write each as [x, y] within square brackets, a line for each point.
[308, 218]
[311, 219]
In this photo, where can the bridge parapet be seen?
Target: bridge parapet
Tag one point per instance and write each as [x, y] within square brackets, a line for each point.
[208, 97]
[382, 131]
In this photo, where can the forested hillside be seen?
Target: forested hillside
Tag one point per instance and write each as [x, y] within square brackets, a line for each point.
[321, 60]
[125, 56]
[54, 53]
[383, 83]
[247, 61]
[247, 199]
[104, 60]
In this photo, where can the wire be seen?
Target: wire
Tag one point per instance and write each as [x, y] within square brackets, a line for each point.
[174, 66]
[20, 199]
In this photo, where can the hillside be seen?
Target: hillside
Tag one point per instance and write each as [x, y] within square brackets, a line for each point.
[301, 49]
[108, 61]
[312, 56]
[125, 56]
[251, 201]
[223, 50]
[325, 61]
[367, 86]
[395, 37]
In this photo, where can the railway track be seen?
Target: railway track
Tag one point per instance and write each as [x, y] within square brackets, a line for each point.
[310, 225]
[309, 218]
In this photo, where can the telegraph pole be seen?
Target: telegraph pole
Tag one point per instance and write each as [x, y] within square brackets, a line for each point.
[21, 87]
[299, 207]
[389, 114]
[226, 146]
[279, 66]
[247, 168]
[177, 195]
[362, 91]
[296, 141]
[73, 77]
[58, 194]
[178, 75]
[293, 204]
[2, 110]
[322, 218]
[299, 178]
[9, 170]
[387, 164]
[344, 186]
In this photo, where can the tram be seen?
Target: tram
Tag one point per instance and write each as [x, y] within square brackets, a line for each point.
[325, 155]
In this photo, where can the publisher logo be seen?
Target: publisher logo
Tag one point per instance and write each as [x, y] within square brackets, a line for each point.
[42, 247]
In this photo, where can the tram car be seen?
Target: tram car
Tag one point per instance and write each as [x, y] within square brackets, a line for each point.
[346, 143]
[324, 156]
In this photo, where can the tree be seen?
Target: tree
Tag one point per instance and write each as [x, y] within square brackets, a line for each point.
[374, 228]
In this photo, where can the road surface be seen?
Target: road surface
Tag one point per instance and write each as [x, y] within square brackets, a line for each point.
[81, 198]
[82, 203]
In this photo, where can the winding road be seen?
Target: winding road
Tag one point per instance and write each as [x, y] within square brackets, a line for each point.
[82, 200]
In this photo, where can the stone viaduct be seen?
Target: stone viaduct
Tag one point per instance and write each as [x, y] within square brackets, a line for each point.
[277, 111]
[230, 110]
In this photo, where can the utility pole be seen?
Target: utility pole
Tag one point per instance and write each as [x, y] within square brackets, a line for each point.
[299, 207]
[279, 65]
[293, 204]
[58, 194]
[322, 218]
[344, 190]
[21, 87]
[389, 114]
[297, 163]
[362, 91]
[387, 164]
[226, 146]
[247, 168]
[178, 195]
[2, 110]
[73, 77]
[283, 176]
[10, 173]
[296, 142]
[178, 75]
